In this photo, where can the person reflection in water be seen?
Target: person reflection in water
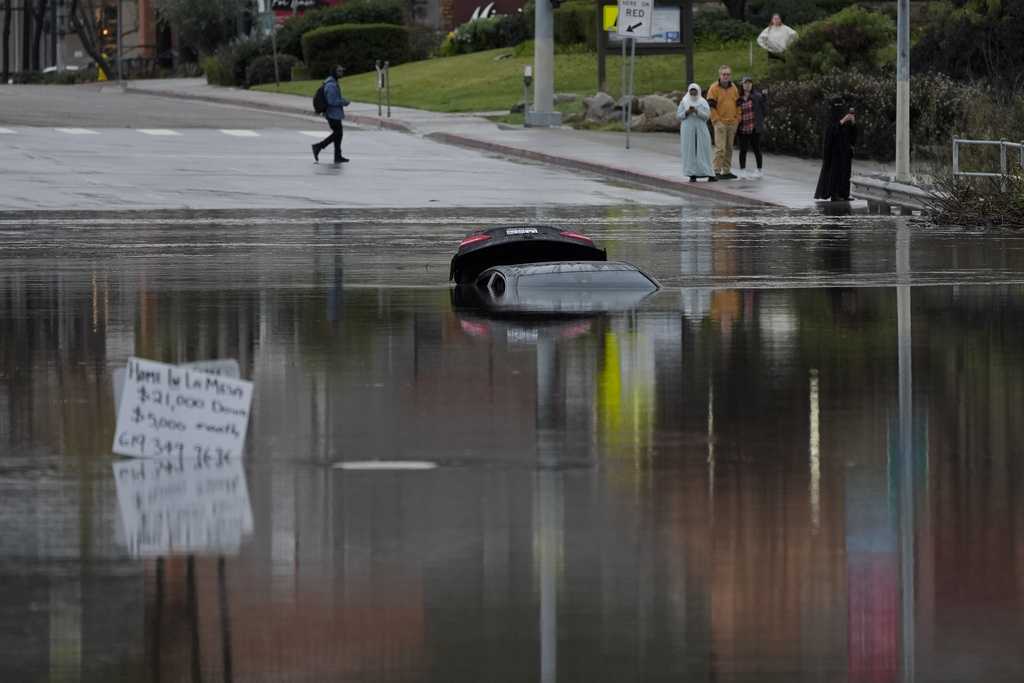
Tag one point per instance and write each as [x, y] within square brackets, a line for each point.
[837, 157]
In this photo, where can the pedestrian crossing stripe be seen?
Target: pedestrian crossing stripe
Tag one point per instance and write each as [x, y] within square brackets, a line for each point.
[158, 132]
[6, 131]
[76, 131]
[240, 133]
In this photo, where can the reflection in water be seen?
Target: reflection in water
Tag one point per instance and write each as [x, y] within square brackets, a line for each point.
[748, 488]
[183, 505]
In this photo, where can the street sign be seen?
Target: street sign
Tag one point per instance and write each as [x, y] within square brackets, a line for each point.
[665, 27]
[635, 18]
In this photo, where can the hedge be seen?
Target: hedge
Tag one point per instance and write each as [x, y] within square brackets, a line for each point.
[854, 39]
[261, 69]
[576, 22]
[356, 47]
[489, 33]
[289, 36]
[939, 109]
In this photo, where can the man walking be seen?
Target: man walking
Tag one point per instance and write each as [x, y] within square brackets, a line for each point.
[335, 113]
[723, 96]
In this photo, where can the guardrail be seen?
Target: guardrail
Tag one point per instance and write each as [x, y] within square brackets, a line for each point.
[1004, 167]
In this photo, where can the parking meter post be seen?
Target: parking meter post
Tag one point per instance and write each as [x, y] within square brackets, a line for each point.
[380, 90]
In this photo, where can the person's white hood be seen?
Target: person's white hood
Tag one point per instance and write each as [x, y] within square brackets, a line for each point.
[691, 101]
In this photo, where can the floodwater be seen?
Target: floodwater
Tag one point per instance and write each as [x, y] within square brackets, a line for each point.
[797, 462]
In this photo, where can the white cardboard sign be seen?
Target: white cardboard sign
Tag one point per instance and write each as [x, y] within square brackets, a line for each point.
[183, 505]
[171, 411]
[635, 18]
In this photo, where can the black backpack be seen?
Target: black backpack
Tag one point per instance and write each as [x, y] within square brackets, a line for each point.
[320, 100]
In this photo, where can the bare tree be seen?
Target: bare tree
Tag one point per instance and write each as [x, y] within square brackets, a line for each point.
[6, 43]
[82, 20]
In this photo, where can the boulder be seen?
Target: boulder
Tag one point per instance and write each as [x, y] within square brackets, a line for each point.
[657, 105]
[634, 101]
[563, 97]
[649, 123]
[600, 108]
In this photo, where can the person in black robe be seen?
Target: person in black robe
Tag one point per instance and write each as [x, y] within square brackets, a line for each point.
[837, 159]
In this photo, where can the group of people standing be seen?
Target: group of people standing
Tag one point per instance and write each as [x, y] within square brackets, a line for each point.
[729, 113]
[735, 114]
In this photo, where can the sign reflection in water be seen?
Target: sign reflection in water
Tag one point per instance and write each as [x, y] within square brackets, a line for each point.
[183, 505]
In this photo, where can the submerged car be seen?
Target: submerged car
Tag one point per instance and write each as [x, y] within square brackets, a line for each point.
[541, 270]
[518, 245]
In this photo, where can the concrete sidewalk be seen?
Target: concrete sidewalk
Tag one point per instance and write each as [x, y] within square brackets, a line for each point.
[652, 160]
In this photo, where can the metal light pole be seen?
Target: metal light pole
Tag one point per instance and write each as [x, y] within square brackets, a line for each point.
[903, 91]
[544, 113]
[120, 44]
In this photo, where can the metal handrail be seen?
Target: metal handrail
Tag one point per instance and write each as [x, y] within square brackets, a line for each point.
[1003, 163]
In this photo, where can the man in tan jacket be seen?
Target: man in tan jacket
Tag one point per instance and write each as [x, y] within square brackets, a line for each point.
[725, 117]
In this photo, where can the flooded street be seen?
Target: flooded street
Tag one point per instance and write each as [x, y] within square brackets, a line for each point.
[798, 461]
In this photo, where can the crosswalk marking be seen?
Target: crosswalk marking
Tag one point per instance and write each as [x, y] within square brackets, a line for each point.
[76, 131]
[6, 131]
[158, 132]
[240, 133]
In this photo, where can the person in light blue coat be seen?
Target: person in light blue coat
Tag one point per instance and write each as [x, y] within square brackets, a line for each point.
[694, 137]
[335, 114]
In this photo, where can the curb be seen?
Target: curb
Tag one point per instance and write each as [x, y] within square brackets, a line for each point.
[267, 106]
[601, 169]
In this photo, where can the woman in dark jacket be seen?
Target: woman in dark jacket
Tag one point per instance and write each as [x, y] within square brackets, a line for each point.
[837, 156]
[753, 109]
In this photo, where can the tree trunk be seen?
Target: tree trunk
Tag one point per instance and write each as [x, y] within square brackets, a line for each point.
[82, 20]
[5, 43]
[38, 20]
[737, 8]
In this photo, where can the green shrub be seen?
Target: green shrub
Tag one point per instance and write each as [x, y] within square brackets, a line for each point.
[793, 12]
[716, 28]
[973, 42]
[215, 72]
[261, 69]
[854, 39]
[289, 36]
[576, 23]
[354, 46]
[938, 111]
[489, 33]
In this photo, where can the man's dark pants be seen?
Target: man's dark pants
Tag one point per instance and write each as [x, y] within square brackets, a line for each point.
[337, 132]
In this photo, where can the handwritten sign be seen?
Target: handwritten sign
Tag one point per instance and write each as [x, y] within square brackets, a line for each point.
[225, 368]
[183, 505]
[169, 411]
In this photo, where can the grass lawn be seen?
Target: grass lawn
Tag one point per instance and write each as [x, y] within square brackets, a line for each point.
[481, 82]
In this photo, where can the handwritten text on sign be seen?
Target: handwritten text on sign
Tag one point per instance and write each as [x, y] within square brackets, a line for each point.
[170, 411]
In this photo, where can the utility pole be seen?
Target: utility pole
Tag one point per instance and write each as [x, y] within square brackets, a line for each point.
[903, 91]
[543, 113]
